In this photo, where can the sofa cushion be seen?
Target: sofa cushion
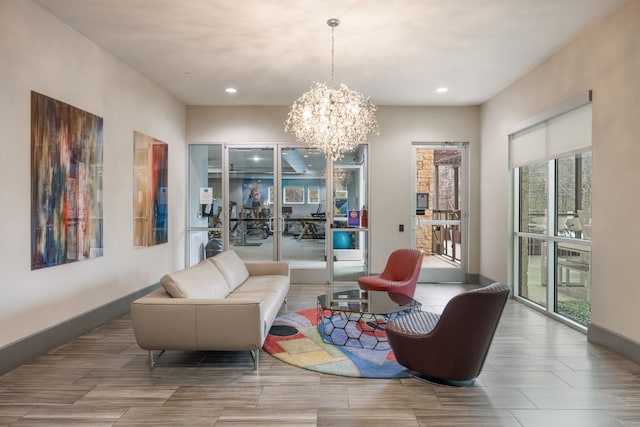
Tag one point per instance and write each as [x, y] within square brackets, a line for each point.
[276, 284]
[232, 267]
[202, 280]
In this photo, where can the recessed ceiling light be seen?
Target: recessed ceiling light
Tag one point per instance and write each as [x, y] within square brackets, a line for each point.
[442, 90]
[231, 90]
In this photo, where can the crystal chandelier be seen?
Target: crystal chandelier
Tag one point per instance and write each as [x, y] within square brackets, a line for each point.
[333, 121]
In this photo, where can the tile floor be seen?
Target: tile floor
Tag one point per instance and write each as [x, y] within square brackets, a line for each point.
[539, 373]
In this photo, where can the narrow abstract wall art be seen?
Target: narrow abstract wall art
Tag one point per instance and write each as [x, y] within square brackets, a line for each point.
[66, 183]
[150, 178]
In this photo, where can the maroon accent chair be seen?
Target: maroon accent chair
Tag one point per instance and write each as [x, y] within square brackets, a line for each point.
[400, 275]
[450, 348]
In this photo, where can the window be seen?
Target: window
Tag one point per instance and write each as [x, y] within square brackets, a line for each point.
[573, 222]
[551, 161]
[532, 250]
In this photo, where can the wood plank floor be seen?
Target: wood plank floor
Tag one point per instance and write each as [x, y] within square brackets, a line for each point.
[539, 373]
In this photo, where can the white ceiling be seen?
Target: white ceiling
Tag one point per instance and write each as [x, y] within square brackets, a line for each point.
[395, 51]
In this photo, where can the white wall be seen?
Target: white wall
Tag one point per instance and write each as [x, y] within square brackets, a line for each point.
[38, 52]
[390, 155]
[391, 181]
[605, 59]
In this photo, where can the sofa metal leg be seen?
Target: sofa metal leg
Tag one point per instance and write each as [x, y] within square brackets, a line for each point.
[255, 354]
[152, 360]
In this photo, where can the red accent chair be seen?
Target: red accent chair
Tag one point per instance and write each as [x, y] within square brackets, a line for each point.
[400, 275]
[450, 348]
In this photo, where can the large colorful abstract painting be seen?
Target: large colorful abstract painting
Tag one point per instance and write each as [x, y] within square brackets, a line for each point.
[150, 169]
[66, 183]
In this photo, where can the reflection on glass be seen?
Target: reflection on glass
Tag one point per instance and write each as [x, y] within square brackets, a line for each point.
[533, 198]
[573, 200]
[533, 269]
[573, 279]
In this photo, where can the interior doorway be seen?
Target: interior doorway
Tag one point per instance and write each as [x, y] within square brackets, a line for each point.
[439, 209]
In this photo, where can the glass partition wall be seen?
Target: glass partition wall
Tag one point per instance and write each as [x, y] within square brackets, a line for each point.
[552, 164]
[275, 202]
[205, 231]
[350, 225]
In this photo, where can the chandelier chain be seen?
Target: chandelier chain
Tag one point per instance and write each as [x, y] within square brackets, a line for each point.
[333, 29]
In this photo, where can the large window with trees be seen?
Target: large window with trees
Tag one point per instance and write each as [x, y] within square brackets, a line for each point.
[552, 164]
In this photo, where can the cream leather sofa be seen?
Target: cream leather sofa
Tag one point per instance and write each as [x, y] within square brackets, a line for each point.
[220, 304]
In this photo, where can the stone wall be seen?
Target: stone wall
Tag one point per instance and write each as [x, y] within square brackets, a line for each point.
[424, 184]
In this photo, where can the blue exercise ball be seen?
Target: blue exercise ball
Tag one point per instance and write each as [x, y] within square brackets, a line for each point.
[341, 240]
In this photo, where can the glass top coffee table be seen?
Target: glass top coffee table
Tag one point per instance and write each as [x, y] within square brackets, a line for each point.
[358, 318]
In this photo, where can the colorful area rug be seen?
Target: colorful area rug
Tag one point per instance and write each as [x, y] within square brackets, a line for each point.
[294, 339]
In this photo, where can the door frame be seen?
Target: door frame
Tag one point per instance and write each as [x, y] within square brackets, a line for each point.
[298, 275]
[435, 274]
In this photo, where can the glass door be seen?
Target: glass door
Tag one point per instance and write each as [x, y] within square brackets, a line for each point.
[252, 199]
[303, 214]
[439, 226]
